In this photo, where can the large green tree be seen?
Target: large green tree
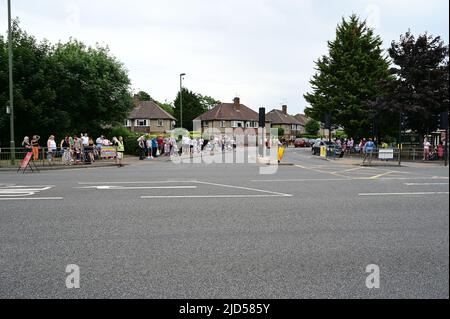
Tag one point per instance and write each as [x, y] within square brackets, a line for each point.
[67, 88]
[347, 77]
[192, 108]
[420, 88]
[144, 96]
[312, 127]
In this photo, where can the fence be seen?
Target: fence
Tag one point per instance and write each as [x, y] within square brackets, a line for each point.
[60, 157]
[407, 155]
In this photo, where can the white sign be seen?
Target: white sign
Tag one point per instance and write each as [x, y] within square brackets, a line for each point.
[386, 154]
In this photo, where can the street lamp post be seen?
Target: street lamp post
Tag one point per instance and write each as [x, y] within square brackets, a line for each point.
[181, 98]
[11, 92]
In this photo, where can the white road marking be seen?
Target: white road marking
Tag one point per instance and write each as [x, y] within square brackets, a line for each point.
[403, 194]
[20, 191]
[424, 184]
[299, 180]
[131, 183]
[216, 196]
[110, 187]
[245, 188]
[351, 179]
[381, 175]
[31, 198]
[105, 187]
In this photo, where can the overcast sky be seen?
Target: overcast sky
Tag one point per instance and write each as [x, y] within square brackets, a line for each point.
[260, 50]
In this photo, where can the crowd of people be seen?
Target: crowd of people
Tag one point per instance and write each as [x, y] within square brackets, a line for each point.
[152, 146]
[366, 147]
[73, 150]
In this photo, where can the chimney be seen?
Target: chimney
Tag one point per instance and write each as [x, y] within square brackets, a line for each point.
[237, 103]
[285, 109]
[136, 100]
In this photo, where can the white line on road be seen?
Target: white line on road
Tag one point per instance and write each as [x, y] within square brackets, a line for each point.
[403, 194]
[31, 198]
[143, 182]
[105, 187]
[245, 188]
[216, 196]
[341, 179]
[424, 184]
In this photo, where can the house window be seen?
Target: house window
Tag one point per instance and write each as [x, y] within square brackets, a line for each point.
[127, 123]
[294, 127]
[222, 124]
[160, 123]
[205, 124]
[255, 124]
[142, 123]
[236, 124]
[299, 127]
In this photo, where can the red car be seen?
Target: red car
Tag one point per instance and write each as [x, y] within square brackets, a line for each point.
[301, 142]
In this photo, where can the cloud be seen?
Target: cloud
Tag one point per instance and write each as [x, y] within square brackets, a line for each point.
[260, 49]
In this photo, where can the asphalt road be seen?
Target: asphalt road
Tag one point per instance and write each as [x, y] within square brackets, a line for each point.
[161, 230]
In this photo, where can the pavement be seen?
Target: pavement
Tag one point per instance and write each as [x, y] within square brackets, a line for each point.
[156, 229]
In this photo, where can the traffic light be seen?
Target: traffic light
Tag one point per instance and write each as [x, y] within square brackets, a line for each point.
[262, 117]
[443, 121]
[403, 121]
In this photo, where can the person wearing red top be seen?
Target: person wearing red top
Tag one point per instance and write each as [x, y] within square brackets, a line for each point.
[440, 151]
[160, 144]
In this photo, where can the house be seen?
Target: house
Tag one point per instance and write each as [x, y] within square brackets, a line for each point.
[281, 119]
[303, 119]
[231, 116]
[148, 118]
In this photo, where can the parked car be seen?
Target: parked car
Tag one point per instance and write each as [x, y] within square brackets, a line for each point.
[331, 147]
[302, 142]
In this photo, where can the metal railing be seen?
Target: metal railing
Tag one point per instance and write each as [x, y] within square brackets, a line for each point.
[410, 154]
[58, 157]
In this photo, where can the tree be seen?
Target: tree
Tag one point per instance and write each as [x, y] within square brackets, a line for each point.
[312, 127]
[208, 102]
[420, 86]
[280, 132]
[61, 89]
[349, 75]
[144, 96]
[169, 108]
[192, 108]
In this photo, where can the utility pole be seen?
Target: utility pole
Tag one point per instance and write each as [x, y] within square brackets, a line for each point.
[181, 98]
[11, 90]
[400, 139]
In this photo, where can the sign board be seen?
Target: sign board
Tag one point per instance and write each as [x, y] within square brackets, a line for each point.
[108, 152]
[26, 160]
[386, 154]
[323, 151]
[26, 163]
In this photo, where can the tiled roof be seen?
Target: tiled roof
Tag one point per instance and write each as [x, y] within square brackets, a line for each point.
[302, 118]
[229, 112]
[149, 110]
[278, 117]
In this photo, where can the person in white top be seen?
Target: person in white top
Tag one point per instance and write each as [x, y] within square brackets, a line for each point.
[51, 146]
[85, 140]
[426, 149]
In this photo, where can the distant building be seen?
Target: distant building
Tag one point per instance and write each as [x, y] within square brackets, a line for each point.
[281, 119]
[148, 118]
[234, 116]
